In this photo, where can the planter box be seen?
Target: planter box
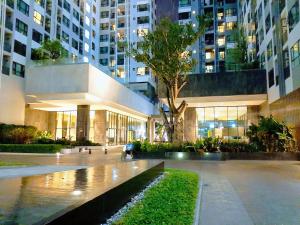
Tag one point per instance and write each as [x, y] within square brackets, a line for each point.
[83, 148]
[219, 156]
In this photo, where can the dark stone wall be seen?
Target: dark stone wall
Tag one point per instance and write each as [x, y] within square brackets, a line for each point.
[223, 84]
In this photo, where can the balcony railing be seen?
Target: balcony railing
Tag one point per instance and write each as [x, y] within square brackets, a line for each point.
[7, 47]
[10, 3]
[8, 24]
[5, 69]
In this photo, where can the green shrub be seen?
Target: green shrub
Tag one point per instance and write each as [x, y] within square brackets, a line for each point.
[271, 136]
[17, 134]
[172, 201]
[30, 148]
[237, 147]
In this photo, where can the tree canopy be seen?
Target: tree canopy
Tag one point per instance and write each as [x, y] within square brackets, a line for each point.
[49, 50]
[167, 52]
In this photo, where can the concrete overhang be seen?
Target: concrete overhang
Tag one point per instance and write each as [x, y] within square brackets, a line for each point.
[234, 100]
[63, 87]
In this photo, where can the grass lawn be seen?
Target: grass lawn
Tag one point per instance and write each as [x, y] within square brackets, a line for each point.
[6, 164]
[171, 202]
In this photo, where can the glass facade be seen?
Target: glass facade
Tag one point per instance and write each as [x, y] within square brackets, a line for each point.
[122, 129]
[66, 125]
[222, 122]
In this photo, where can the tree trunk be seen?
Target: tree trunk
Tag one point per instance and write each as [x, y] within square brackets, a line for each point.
[178, 130]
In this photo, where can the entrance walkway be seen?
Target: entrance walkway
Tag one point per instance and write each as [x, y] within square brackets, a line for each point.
[247, 192]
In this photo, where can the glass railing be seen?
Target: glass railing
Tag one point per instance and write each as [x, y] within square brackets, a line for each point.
[5, 69]
[69, 61]
[10, 3]
[8, 24]
[7, 47]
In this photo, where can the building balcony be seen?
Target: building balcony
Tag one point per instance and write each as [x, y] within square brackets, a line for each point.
[5, 69]
[7, 47]
[10, 3]
[8, 24]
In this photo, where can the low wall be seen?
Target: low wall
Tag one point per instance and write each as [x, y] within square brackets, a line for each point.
[218, 156]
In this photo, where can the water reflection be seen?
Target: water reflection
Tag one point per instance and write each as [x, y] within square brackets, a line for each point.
[27, 200]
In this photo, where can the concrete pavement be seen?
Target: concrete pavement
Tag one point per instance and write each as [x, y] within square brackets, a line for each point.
[247, 192]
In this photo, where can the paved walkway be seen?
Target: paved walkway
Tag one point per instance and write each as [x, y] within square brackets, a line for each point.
[247, 192]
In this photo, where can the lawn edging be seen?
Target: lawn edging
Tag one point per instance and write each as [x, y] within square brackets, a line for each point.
[30, 148]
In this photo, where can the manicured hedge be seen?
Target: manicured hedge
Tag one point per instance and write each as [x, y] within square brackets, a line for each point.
[30, 148]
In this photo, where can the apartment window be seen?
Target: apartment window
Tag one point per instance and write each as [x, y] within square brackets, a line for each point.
[67, 6]
[230, 25]
[104, 26]
[18, 69]
[221, 28]
[40, 2]
[268, 23]
[21, 27]
[20, 48]
[23, 7]
[38, 18]
[66, 21]
[142, 32]
[65, 37]
[269, 50]
[104, 3]
[120, 59]
[295, 54]
[75, 44]
[103, 62]
[141, 71]
[103, 37]
[294, 16]
[76, 14]
[184, 16]
[221, 41]
[271, 78]
[104, 14]
[103, 50]
[75, 29]
[142, 7]
[230, 12]
[143, 19]
[37, 36]
[183, 3]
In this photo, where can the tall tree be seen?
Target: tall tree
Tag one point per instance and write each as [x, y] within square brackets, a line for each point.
[49, 50]
[166, 52]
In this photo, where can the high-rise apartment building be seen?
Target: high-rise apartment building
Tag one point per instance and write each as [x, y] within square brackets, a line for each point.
[210, 50]
[123, 23]
[99, 32]
[273, 32]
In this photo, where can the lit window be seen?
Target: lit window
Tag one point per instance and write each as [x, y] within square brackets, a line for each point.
[221, 41]
[38, 18]
[88, 7]
[142, 32]
[86, 47]
[87, 34]
[87, 20]
[141, 71]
